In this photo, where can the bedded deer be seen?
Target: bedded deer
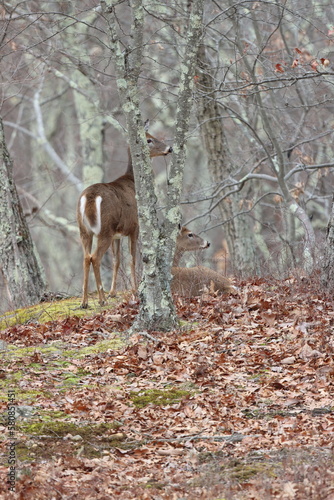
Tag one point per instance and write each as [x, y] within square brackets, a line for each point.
[109, 211]
[187, 241]
[194, 281]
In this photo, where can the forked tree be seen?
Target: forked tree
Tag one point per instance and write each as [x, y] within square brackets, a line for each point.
[158, 239]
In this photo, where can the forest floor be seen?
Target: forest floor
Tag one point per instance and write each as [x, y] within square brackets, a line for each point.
[237, 404]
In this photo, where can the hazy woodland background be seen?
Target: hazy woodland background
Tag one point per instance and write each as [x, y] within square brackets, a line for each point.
[261, 135]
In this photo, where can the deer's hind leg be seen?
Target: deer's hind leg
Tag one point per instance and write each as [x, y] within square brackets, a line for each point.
[102, 247]
[115, 247]
[86, 240]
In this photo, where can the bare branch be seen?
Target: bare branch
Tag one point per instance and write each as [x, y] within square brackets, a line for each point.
[42, 140]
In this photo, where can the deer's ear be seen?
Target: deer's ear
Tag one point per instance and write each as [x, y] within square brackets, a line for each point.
[179, 227]
[146, 125]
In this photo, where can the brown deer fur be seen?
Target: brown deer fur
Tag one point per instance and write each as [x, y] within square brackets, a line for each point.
[187, 241]
[109, 211]
[194, 281]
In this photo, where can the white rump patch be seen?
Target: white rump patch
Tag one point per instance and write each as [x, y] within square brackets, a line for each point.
[83, 200]
[96, 228]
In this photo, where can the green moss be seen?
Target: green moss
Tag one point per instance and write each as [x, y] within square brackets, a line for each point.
[158, 397]
[260, 376]
[155, 484]
[32, 395]
[61, 364]
[50, 311]
[11, 380]
[71, 380]
[26, 396]
[60, 429]
[99, 347]
[49, 439]
[186, 325]
[237, 470]
[48, 416]
[52, 448]
[14, 352]
[16, 376]
[243, 471]
[23, 453]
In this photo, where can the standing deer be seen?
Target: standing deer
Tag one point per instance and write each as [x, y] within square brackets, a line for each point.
[109, 211]
[194, 281]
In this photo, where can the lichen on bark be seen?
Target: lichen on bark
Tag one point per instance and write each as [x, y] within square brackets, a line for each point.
[18, 263]
[157, 310]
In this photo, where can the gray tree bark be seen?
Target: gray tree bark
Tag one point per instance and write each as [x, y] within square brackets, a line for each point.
[18, 263]
[237, 230]
[157, 310]
[328, 263]
[90, 120]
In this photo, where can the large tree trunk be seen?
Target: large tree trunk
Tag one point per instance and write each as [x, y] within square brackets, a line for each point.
[328, 264]
[237, 229]
[18, 264]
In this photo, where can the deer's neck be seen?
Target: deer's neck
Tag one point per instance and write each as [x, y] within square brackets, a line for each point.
[177, 257]
[129, 169]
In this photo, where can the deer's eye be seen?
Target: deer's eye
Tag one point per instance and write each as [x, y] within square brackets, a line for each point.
[190, 235]
[149, 141]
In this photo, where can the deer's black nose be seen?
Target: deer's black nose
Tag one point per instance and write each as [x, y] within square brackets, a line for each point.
[170, 149]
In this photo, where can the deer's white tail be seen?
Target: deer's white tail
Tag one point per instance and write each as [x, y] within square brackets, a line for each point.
[96, 227]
